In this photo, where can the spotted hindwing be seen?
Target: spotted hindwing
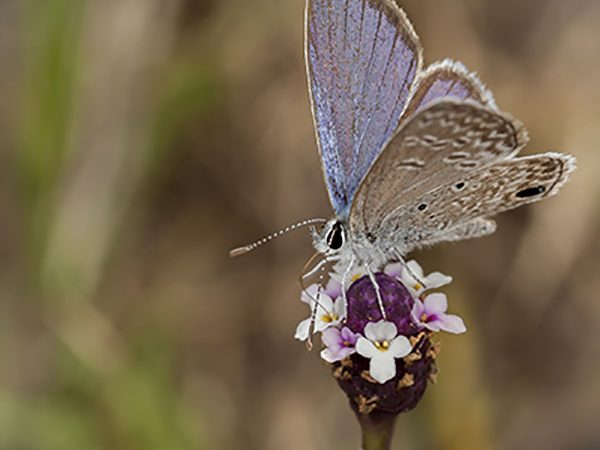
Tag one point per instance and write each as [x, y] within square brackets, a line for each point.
[440, 144]
[494, 189]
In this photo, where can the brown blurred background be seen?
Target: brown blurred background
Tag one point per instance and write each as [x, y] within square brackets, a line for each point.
[141, 139]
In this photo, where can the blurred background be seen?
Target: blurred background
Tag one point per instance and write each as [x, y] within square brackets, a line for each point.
[141, 139]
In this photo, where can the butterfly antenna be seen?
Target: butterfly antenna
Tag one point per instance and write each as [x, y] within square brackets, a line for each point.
[248, 248]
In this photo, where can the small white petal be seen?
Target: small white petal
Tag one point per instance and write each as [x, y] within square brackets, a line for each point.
[412, 270]
[330, 356]
[302, 330]
[400, 347]
[436, 279]
[322, 325]
[382, 367]
[452, 324]
[365, 348]
[433, 326]
[415, 268]
[394, 270]
[381, 331]
[339, 308]
[436, 303]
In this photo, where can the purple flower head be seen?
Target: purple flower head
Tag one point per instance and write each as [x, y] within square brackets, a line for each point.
[383, 364]
[339, 344]
[390, 366]
[363, 306]
[431, 314]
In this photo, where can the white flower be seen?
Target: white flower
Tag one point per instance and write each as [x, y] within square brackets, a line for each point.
[409, 273]
[382, 346]
[329, 312]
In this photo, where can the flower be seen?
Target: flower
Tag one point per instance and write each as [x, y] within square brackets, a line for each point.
[329, 312]
[382, 346]
[412, 276]
[360, 377]
[431, 314]
[339, 344]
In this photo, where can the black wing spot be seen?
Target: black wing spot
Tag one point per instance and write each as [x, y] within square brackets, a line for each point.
[422, 207]
[531, 192]
[459, 186]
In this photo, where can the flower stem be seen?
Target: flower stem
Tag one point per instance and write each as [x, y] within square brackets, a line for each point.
[377, 430]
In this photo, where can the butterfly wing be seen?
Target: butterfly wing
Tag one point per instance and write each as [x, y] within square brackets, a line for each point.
[447, 79]
[441, 143]
[362, 58]
[472, 229]
[500, 187]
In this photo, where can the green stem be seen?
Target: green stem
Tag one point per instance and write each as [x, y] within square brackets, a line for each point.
[377, 431]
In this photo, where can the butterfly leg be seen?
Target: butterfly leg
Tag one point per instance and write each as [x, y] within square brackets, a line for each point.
[316, 305]
[317, 266]
[377, 292]
[344, 278]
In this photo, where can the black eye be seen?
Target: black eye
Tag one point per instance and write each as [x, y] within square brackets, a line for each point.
[335, 238]
[531, 192]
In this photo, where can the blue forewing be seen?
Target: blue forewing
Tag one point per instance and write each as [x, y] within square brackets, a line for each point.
[362, 59]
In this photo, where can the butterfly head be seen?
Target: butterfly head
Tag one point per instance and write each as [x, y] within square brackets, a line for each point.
[331, 239]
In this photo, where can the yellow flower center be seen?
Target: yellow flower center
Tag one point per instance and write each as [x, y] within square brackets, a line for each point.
[424, 317]
[417, 286]
[382, 346]
[329, 318]
[355, 277]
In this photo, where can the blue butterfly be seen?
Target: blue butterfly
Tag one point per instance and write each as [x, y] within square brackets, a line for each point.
[411, 156]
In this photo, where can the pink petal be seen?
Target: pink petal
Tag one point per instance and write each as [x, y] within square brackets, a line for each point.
[436, 303]
[331, 337]
[347, 335]
[333, 289]
[417, 310]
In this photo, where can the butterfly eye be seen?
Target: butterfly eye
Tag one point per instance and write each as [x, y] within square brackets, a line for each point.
[531, 192]
[335, 238]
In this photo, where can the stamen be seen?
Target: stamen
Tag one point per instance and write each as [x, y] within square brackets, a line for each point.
[382, 346]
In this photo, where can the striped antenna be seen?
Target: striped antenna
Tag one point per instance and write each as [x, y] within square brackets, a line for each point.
[248, 248]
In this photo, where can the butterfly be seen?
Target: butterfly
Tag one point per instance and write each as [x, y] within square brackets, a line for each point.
[411, 156]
